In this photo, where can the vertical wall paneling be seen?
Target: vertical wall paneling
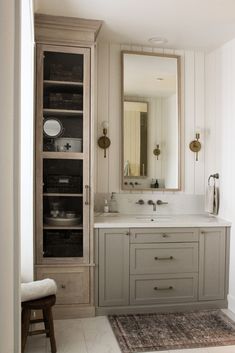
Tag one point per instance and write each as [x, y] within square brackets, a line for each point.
[210, 110]
[115, 113]
[109, 108]
[103, 114]
[182, 113]
[189, 121]
[199, 122]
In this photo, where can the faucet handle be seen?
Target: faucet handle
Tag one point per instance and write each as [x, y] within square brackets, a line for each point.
[140, 202]
[160, 202]
[150, 202]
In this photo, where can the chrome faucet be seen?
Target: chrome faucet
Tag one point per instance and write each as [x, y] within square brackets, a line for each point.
[160, 202]
[150, 202]
[140, 202]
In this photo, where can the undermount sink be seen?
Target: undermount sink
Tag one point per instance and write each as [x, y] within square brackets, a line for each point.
[153, 218]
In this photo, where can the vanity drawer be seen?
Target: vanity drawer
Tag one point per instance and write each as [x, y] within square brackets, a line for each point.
[163, 258]
[164, 235]
[159, 289]
[72, 283]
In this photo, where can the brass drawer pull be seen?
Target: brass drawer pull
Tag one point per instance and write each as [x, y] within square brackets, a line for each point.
[87, 195]
[63, 286]
[163, 288]
[164, 258]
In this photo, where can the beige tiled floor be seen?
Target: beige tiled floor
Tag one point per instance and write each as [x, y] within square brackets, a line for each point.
[93, 335]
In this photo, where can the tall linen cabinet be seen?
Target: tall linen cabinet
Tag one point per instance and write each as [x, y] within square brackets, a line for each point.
[65, 98]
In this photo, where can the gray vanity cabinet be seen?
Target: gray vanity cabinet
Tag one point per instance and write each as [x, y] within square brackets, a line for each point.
[154, 269]
[113, 267]
[212, 263]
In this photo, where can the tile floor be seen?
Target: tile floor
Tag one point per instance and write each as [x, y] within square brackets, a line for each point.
[93, 335]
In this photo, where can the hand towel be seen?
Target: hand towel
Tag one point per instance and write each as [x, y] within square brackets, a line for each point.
[38, 289]
[212, 200]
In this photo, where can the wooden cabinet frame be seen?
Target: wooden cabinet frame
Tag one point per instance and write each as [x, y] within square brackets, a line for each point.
[77, 36]
[40, 155]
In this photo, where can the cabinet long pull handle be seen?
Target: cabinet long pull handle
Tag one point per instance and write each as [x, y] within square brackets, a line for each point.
[163, 288]
[164, 258]
[87, 195]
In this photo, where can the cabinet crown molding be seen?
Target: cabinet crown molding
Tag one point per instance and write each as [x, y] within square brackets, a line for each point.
[65, 30]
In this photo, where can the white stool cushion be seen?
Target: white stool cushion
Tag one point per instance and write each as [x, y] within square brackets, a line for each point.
[38, 289]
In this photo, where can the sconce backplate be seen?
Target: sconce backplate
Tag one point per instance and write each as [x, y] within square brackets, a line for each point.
[104, 142]
[156, 152]
[195, 146]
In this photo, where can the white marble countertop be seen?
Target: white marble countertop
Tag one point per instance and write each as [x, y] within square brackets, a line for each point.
[117, 220]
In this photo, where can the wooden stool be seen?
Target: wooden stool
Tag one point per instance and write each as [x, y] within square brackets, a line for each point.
[45, 304]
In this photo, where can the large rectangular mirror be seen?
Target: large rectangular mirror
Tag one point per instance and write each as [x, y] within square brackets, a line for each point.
[151, 121]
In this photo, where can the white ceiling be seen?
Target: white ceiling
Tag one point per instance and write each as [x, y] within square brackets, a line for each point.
[202, 24]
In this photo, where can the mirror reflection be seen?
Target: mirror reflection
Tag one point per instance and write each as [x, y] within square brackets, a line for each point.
[52, 128]
[150, 121]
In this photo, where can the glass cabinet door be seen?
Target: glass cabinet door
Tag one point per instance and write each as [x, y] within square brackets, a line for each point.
[62, 150]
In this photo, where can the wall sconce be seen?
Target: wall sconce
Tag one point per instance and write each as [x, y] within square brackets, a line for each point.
[157, 151]
[104, 142]
[195, 145]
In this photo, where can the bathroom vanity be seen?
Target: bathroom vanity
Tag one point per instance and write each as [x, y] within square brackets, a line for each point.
[160, 263]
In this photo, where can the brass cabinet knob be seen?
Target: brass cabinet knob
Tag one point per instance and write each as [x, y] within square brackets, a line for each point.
[63, 286]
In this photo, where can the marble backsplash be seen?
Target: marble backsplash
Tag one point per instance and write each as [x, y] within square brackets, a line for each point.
[177, 203]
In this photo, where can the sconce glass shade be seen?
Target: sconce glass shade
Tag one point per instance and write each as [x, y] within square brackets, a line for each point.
[105, 124]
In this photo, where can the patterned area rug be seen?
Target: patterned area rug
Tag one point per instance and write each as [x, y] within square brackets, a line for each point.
[165, 331]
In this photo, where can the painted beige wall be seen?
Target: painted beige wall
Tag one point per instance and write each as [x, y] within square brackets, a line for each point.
[9, 182]
[27, 140]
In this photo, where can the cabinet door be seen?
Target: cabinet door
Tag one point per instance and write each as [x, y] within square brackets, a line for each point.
[72, 283]
[113, 267]
[212, 263]
[62, 154]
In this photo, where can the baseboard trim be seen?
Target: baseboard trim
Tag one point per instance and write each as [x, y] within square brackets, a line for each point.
[216, 304]
[72, 312]
[231, 303]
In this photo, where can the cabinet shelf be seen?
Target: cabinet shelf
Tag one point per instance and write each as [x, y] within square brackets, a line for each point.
[59, 112]
[52, 83]
[62, 227]
[53, 194]
[62, 155]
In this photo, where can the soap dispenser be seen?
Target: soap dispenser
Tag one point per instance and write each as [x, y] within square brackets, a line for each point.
[106, 206]
[156, 184]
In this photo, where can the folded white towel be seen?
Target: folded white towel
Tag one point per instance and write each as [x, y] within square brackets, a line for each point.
[38, 289]
[212, 200]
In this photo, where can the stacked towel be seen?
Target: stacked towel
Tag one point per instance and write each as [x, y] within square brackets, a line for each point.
[212, 199]
[38, 289]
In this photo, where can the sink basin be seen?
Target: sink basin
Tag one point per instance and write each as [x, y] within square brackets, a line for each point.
[153, 218]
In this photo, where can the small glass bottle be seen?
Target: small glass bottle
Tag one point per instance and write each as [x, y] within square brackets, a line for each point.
[113, 203]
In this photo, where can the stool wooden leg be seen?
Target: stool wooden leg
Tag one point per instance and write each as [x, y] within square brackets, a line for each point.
[25, 321]
[45, 318]
[49, 319]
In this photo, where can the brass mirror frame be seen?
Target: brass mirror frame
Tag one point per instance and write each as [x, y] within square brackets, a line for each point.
[180, 121]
